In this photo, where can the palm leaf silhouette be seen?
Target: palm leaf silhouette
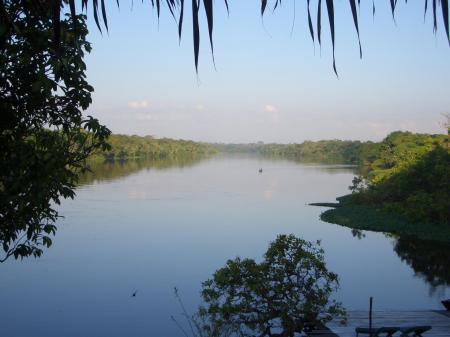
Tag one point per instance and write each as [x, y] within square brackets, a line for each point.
[178, 6]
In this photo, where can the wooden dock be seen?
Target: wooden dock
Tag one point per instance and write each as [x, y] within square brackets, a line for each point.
[439, 320]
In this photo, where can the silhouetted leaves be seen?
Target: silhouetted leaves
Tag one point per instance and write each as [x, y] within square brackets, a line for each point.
[105, 19]
[195, 31]
[393, 4]
[95, 10]
[44, 137]
[330, 9]
[311, 29]
[355, 21]
[444, 6]
[208, 5]
[319, 21]
[434, 17]
[179, 5]
[180, 21]
[263, 6]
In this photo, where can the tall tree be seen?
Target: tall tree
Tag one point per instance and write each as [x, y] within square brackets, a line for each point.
[44, 138]
[284, 295]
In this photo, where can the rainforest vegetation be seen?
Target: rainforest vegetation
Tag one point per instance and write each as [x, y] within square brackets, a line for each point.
[404, 188]
[338, 151]
[136, 147]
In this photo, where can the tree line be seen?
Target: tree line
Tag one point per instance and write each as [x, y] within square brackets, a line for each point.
[403, 188]
[409, 174]
[137, 147]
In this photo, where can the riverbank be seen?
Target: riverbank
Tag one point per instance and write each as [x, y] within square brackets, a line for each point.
[376, 218]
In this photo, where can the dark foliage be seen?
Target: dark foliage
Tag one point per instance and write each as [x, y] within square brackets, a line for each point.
[44, 139]
[177, 9]
[410, 174]
[421, 191]
[281, 296]
[428, 259]
[404, 188]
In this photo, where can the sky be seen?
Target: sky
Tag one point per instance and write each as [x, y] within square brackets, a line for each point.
[270, 82]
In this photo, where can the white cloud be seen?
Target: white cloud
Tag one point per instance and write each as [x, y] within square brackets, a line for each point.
[138, 104]
[270, 108]
[273, 111]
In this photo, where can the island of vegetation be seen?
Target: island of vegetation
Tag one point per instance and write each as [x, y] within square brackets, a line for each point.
[404, 188]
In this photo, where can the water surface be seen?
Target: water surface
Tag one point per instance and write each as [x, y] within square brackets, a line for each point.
[150, 226]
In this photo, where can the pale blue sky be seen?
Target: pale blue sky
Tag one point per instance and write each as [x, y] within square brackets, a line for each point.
[270, 85]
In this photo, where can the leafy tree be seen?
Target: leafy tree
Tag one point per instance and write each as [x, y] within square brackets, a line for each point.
[408, 174]
[282, 295]
[44, 138]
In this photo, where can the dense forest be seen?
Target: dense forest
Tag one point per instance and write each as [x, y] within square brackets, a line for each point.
[134, 147]
[411, 175]
[405, 187]
[338, 151]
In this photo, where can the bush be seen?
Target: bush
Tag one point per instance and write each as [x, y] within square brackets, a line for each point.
[284, 294]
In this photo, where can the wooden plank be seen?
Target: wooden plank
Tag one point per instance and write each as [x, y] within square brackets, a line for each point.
[439, 322]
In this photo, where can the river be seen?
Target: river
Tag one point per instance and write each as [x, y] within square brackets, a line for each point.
[151, 226]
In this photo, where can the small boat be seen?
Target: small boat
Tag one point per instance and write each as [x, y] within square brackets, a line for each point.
[260, 170]
[446, 304]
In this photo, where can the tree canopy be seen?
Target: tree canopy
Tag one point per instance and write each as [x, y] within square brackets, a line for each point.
[44, 138]
[404, 188]
[287, 293]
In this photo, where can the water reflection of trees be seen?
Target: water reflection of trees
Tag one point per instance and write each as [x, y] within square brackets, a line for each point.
[115, 169]
[429, 259]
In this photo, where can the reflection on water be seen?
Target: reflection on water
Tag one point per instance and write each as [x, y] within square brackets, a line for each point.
[150, 226]
[115, 169]
[429, 259]
[357, 233]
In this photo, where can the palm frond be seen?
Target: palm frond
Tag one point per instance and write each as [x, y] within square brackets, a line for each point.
[174, 6]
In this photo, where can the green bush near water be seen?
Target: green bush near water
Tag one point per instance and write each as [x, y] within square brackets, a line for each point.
[378, 219]
[405, 188]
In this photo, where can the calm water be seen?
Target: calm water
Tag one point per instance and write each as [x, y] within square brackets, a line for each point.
[152, 226]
